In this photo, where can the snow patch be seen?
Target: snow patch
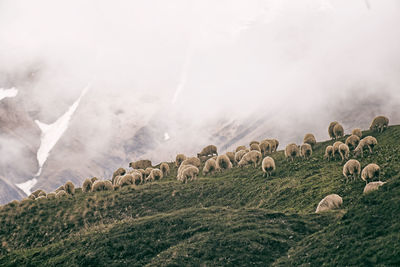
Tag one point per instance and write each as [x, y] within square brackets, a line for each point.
[166, 136]
[51, 133]
[26, 186]
[11, 92]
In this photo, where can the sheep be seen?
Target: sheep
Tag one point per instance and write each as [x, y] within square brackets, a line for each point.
[266, 147]
[100, 185]
[94, 179]
[192, 161]
[129, 179]
[372, 186]
[118, 172]
[61, 188]
[209, 166]
[164, 167]
[223, 163]
[336, 149]
[38, 193]
[240, 148]
[239, 155]
[255, 147]
[357, 131]
[179, 159]
[231, 156]
[140, 164]
[352, 141]
[147, 171]
[276, 145]
[251, 157]
[254, 142]
[329, 202]
[181, 169]
[369, 141]
[40, 197]
[310, 139]
[352, 168]
[69, 188]
[190, 172]
[155, 175]
[330, 129]
[291, 151]
[273, 144]
[306, 151]
[370, 171]
[209, 150]
[344, 152]
[143, 172]
[51, 195]
[338, 131]
[328, 153]
[87, 185]
[61, 194]
[379, 124]
[268, 166]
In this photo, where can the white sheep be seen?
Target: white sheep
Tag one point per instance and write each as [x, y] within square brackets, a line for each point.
[367, 142]
[292, 151]
[209, 150]
[255, 147]
[192, 161]
[310, 139]
[306, 150]
[251, 157]
[344, 152]
[239, 155]
[328, 153]
[268, 166]
[336, 148]
[189, 173]
[372, 186]
[357, 131]
[352, 168]
[209, 166]
[352, 141]
[370, 172]
[179, 159]
[379, 124]
[223, 163]
[330, 129]
[338, 131]
[329, 202]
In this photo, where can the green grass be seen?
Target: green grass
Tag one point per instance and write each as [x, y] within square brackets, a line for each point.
[236, 217]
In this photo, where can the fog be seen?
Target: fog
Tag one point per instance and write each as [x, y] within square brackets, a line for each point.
[191, 67]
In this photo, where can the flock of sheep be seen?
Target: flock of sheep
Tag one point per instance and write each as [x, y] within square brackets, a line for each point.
[257, 153]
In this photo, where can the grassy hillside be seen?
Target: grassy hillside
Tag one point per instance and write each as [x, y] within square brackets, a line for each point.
[236, 217]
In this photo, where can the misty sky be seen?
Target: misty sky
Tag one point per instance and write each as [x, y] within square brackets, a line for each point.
[192, 62]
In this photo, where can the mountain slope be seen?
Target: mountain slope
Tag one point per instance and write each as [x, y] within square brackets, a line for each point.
[235, 217]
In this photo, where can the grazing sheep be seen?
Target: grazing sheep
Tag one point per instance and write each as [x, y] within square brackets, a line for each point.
[338, 131]
[94, 179]
[357, 131]
[223, 163]
[125, 180]
[329, 202]
[40, 197]
[118, 172]
[379, 124]
[210, 166]
[147, 171]
[291, 151]
[189, 173]
[372, 186]
[251, 157]
[352, 168]
[31, 197]
[330, 129]
[239, 155]
[254, 142]
[328, 153]
[367, 142]
[51, 195]
[87, 185]
[352, 141]
[100, 185]
[310, 139]
[336, 148]
[268, 166]
[38, 193]
[61, 194]
[192, 161]
[255, 147]
[266, 147]
[143, 172]
[179, 159]
[59, 189]
[164, 167]
[155, 175]
[306, 151]
[276, 145]
[240, 148]
[344, 152]
[210, 150]
[69, 188]
[140, 164]
[181, 169]
[231, 156]
[370, 172]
